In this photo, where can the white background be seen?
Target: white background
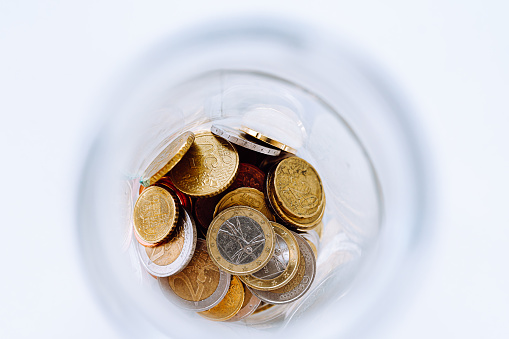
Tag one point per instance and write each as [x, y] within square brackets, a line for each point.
[58, 59]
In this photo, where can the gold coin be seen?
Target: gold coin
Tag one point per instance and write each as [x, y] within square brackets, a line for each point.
[156, 213]
[240, 240]
[167, 159]
[283, 265]
[245, 196]
[199, 279]
[208, 168]
[301, 224]
[249, 305]
[298, 188]
[268, 140]
[230, 305]
[168, 252]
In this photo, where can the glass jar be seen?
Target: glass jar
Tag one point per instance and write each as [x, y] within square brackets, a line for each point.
[293, 84]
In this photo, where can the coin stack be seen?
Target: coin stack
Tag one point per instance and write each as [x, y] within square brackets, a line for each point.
[258, 210]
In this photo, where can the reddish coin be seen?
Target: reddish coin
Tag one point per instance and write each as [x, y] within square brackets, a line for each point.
[146, 244]
[248, 176]
[204, 210]
[185, 200]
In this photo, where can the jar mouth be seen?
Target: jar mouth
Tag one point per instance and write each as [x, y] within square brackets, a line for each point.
[369, 247]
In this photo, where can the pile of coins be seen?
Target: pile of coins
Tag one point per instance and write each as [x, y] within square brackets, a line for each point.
[258, 210]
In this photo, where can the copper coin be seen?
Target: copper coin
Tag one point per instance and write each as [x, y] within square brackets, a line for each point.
[248, 176]
[204, 210]
[185, 200]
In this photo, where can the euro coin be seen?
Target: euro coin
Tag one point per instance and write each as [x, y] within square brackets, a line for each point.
[167, 159]
[283, 265]
[238, 138]
[251, 303]
[240, 240]
[208, 168]
[156, 213]
[300, 283]
[267, 140]
[245, 196]
[230, 305]
[200, 286]
[173, 256]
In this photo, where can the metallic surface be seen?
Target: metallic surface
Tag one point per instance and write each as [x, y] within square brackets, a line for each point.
[240, 240]
[156, 213]
[299, 285]
[250, 304]
[238, 138]
[172, 257]
[198, 287]
[208, 167]
[167, 159]
[249, 176]
[230, 305]
[301, 224]
[283, 265]
[268, 140]
[245, 196]
[298, 188]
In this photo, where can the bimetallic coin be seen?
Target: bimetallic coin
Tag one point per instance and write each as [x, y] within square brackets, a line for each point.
[167, 159]
[238, 138]
[240, 240]
[200, 286]
[245, 196]
[267, 140]
[248, 176]
[298, 188]
[283, 265]
[173, 256]
[208, 167]
[251, 303]
[299, 285]
[156, 213]
[230, 305]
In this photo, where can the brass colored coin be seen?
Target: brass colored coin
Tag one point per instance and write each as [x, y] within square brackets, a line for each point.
[199, 279]
[230, 305]
[208, 167]
[250, 304]
[156, 213]
[240, 240]
[301, 224]
[268, 140]
[168, 252]
[283, 265]
[298, 188]
[167, 159]
[245, 196]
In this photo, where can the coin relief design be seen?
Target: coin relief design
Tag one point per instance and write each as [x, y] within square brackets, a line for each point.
[208, 168]
[245, 196]
[298, 187]
[240, 240]
[278, 263]
[155, 214]
[167, 253]
[199, 279]
[167, 159]
[248, 176]
[230, 305]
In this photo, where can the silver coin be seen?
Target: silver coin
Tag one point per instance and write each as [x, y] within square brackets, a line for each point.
[200, 305]
[238, 138]
[186, 228]
[240, 240]
[309, 275]
[278, 263]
